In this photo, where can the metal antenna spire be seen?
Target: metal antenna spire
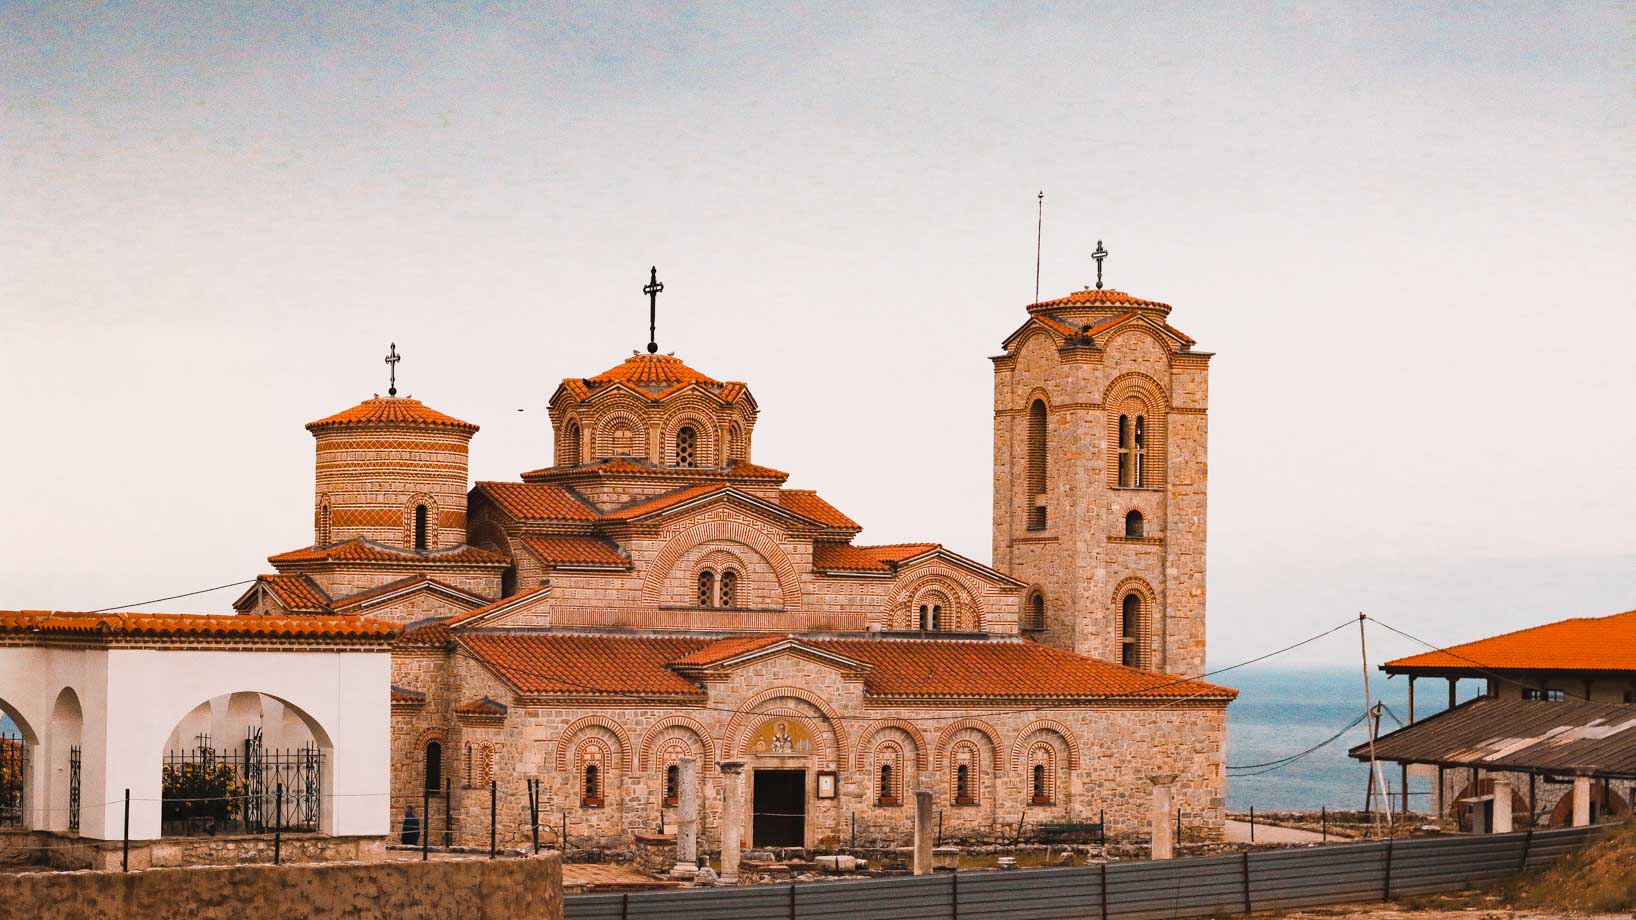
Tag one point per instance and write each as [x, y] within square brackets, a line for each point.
[652, 289]
[392, 359]
[1039, 237]
[1099, 255]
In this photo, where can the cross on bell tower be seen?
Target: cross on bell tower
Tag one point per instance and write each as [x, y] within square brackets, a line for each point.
[1099, 255]
[652, 289]
[392, 359]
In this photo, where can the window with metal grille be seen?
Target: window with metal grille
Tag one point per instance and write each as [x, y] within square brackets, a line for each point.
[673, 784]
[729, 588]
[1130, 629]
[1037, 474]
[687, 446]
[1133, 525]
[707, 588]
[592, 795]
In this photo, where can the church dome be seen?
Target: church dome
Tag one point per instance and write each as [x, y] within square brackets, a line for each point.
[391, 412]
[655, 373]
[654, 408]
[1092, 298]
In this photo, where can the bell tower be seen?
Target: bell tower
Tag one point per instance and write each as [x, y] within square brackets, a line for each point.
[1100, 444]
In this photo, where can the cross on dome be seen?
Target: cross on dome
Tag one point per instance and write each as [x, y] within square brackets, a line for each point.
[392, 359]
[1099, 254]
[652, 289]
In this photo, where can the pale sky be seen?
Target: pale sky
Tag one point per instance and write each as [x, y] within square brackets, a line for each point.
[1407, 235]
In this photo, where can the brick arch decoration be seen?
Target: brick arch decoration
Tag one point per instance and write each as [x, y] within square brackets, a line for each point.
[1156, 406]
[650, 740]
[1140, 328]
[617, 416]
[584, 722]
[865, 740]
[946, 737]
[747, 711]
[570, 418]
[1019, 748]
[814, 726]
[1146, 643]
[789, 583]
[703, 424]
[432, 522]
[968, 613]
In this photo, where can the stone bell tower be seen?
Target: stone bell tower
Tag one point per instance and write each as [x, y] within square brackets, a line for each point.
[1100, 477]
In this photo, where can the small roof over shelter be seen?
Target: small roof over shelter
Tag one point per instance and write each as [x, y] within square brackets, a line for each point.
[1579, 644]
[1526, 736]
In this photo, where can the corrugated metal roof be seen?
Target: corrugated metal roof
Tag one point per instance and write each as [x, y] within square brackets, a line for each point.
[1597, 739]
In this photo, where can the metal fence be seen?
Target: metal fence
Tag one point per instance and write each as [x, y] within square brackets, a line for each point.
[1202, 887]
[247, 790]
[13, 761]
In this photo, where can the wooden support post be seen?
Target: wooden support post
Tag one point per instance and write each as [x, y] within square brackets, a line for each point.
[125, 845]
[1411, 699]
[1453, 681]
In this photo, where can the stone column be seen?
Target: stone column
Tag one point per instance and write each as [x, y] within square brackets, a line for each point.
[1502, 806]
[732, 818]
[1164, 844]
[1582, 801]
[687, 823]
[923, 832]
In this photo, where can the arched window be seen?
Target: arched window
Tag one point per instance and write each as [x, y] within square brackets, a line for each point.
[687, 446]
[888, 791]
[937, 617]
[434, 765]
[466, 777]
[736, 448]
[707, 588]
[966, 765]
[420, 527]
[324, 522]
[1042, 774]
[1037, 481]
[570, 444]
[1039, 797]
[1133, 524]
[729, 588]
[925, 617]
[591, 796]
[1130, 630]
[593, 761]
[673, 784]
[485, 764]
[1132, 451]
[1035, 616]
[889, 774]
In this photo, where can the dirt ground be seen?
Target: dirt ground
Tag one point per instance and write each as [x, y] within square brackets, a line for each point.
[1467, 907]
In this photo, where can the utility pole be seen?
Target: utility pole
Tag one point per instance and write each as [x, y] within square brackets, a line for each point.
[1372, 715]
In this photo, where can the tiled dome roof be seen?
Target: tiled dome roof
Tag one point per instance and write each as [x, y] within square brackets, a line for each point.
[388, 411]
[1099, 297]
[654, 372]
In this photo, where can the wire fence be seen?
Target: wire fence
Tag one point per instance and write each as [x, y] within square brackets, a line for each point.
[13, 759]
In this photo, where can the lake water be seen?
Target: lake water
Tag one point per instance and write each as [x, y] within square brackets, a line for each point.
[1282, 711]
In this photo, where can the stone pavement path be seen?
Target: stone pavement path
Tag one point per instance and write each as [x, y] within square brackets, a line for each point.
[1239, 832]
[578, 877]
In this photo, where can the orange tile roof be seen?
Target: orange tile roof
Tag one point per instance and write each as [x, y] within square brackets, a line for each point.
[844, 557]
[537, 501]
[612, 665]
[644, 506]
[806, 503]
[652, 372]
[922, 668]
[365, 596]
[185, 625]
[1581, 644]
[723, 649]
[943, 668]
[487, 706]
[404, 695]
[425, 635]
[358, 549]
[629, 466]
[575, 550]
[480, 612]
[388, 412]
[897, 552]
[1105, 297]
[297, 593]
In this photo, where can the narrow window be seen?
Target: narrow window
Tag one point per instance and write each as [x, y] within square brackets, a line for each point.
[1041, 795]
[434, 765]
[420, 527]
[707, 588]
[324, 521]
[1130, 619]
[925, 617]
[1133, 525]
[592, 795]
[886, 795]
[962, 785]
[1125, 444]
[467, 778]
[570, 444]
[937, 617]
[738, 450]
[673, 784]
[1139, 449]
[687, 446]
[1037, 475]
[1036, 611]
[729, 588]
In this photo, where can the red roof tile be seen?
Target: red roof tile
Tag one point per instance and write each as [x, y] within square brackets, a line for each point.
[844, 557]
[897, 552]
[1581, 644]
[358, 549]
[1105, 297]
[806, 503]
[424, 635]
[185, 625]
[487, 706]
[537, 501]
[652, 372]
[406, 696]
[575, 550]
[390, 412]
[723, 649]
[612, 665]
[657, 503]
[480, 612]
[413, 581]
[296, 593]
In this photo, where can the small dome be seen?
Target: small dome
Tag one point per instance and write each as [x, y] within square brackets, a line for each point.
[653, 372]
[1099, 297]
[388, 412]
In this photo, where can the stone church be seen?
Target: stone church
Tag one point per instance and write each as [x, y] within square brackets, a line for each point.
[654, 593]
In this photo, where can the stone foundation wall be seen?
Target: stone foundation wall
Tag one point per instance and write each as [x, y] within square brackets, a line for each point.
[69, 851]
[472, 889]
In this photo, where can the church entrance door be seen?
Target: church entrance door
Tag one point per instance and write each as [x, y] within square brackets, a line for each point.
[780, 808]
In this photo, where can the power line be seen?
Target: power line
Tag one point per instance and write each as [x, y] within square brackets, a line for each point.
[160, 600]
[1282, 762]
[1480, 666]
